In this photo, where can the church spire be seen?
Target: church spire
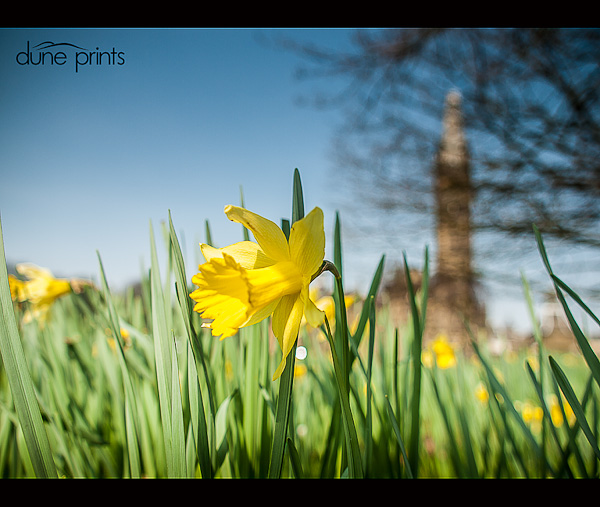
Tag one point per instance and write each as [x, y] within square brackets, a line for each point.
[452, 294]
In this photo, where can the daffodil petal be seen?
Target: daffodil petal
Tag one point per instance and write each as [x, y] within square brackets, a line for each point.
[280, 316]
[246, 253]
[262, 314]
[32, 271]
[236, 297]
[279, 369]
[267, 234]
[222, 295]
[314, 316]
[286, 323]
[307, 242]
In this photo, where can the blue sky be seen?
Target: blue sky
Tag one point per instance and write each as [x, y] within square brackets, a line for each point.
[90, 157]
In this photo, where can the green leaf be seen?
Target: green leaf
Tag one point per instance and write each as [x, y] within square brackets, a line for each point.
[498, 388]
[353, 451]
[571, 397]
[245, 232]
[295, 459]
[548, 416]
[209, 240]
[364, 314]
[455, 456]
[369, 417]
[297, 198]
[221, 429]
[588, 353]
[398, 436]
[282, 415]
[418, 324]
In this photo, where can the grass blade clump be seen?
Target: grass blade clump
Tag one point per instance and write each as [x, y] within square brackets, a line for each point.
[167, 373]
[589, 355]
[418, 327]
[197, 363]
[21, 384]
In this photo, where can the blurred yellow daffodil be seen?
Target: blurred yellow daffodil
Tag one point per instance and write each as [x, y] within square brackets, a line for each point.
[300, 370]
[532, 414]
[481, 393]
[244, 283]
[40, 290]
[556, 413]
[327, 305]
[440, 350]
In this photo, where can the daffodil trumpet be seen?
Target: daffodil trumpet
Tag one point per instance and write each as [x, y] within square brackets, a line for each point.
[244, 283]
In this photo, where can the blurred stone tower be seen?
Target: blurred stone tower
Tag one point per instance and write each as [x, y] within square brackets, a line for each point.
[452, 295]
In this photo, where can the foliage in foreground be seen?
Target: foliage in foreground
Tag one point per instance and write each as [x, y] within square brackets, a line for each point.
[131, 385]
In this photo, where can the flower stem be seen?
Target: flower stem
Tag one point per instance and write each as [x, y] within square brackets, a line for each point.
[341, 367]
[284, 401]
[353, 451]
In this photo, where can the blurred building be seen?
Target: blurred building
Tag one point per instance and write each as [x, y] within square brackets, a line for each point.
[452, 287]
[452, 291]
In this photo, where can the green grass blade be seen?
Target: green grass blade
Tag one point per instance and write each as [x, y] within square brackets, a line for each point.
[21, 384]
[498, 388]
[369, 416]
[424, 289]
[364, 315]
[398, 436]
[282, 415]
[417, 346]
[455, 456]
[295, 459]
[297, 198]
[332, 444]
[198, 417]
[208, 234]
[252, 398]
[130, 400]
[584, 345]
[576, 298]
[353, 451]
[573, 430]
[177, 424]
[588, 353]
[171, 416]
[221, 429]
[571, 397]
[245, 232]
[199, 424]
[548, 418]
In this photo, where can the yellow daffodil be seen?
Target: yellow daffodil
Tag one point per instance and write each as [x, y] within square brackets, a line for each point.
[300, 370]
[532, 414]
[327, 305]
[244, 283]
[556, 412]
[40, 289]
[481, 393]
[442, 351]
[17, 288]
